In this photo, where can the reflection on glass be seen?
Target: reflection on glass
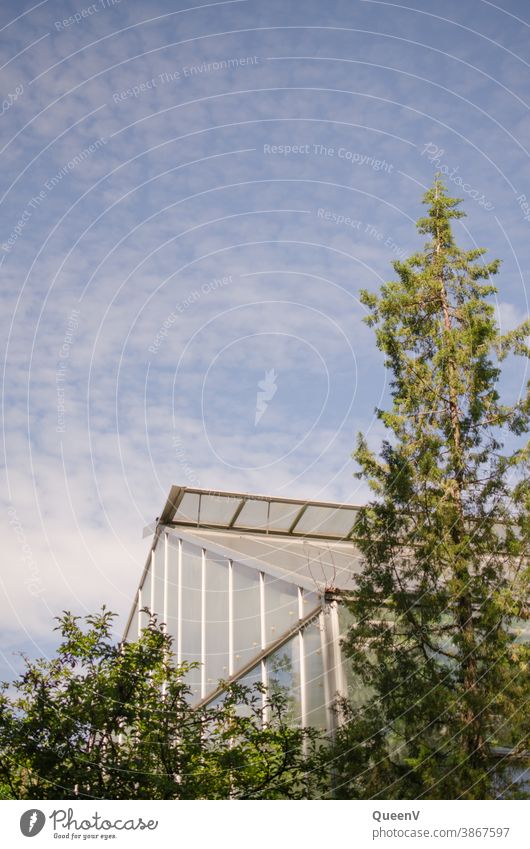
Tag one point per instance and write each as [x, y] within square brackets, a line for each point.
[283, 676]
[281, 607]
[252, 677]
[521, 629]
[249, 680]
[314, 674]
[145, 602]
[216, 621]
[191, 612]
[358, 694]
[247, 627]
[346, 619]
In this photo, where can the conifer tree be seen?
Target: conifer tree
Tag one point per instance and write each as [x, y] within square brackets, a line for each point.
[445, 541]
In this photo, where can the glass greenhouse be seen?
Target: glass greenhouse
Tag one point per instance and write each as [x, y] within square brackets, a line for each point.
[249, 586]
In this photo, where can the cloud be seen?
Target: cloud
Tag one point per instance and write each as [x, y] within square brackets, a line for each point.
[124, 199]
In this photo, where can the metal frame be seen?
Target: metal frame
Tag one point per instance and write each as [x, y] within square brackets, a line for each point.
[179, 604]
[166, 522]
[301, 651]
[326, 610]
[177, 494]
[256, 564]
[262, 656]
[203, 623]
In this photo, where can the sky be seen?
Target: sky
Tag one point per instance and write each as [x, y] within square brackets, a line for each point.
[193, 195]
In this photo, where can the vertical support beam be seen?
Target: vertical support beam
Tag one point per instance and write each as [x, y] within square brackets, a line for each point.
[203, 623]
[231, 639]
[153, 576]
[121, 721]
[301, 653]
[325, 662]
[230, 618]
[139, 614]
[179, 604]
[263, 631]
[263, 623]
[340, 683]
[166, 577]
[334, 683]
[335, 672]
[166, 571]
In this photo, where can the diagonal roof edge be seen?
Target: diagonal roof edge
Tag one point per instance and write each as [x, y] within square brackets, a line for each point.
[254, 563]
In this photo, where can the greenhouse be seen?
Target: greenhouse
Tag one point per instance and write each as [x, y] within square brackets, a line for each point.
[249, 587]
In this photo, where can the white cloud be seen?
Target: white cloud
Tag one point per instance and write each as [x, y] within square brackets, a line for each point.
[182, 193]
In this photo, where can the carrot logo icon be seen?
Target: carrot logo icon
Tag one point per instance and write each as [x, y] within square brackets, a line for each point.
[31, 822]
[268, 391]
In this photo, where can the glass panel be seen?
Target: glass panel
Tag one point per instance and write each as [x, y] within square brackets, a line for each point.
[326, 520]
[188, 508]
[247, 627]
[191, 611]
[314, 675]
[253, 515]
[217, 509]
[283, 675]
[310, 601]
[252, 677]
[521, 629]
[282, 516]
[172, 585]
[218, 702]
[146, 599]
[358, 693]
[281, 607]
[159, 581]
[520, 775]
[346, 619]
[132, 631]
[248, 680]
[216, 621]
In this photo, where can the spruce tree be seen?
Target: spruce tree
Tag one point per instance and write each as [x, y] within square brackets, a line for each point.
[445, 541]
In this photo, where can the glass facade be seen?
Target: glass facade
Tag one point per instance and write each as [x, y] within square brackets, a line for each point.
[247, 614]
[250, 589]
[217, 613]
[242, 621]
[281, 607]
[190, 613]
[316, 712]
[168, 609]
[283, 677]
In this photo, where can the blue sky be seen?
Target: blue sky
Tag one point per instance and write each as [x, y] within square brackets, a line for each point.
[192, 197]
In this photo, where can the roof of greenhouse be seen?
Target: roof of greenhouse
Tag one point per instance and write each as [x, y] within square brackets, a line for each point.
[190, 507]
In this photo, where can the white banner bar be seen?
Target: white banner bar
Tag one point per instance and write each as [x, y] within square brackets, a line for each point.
[311, 824]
